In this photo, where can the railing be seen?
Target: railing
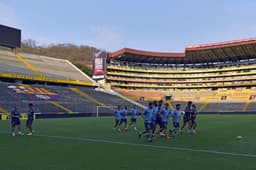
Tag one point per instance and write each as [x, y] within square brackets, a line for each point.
[195, 95]
[178, 70]
[174, 81]
[184, 86]
[171, 76]
[44, 79]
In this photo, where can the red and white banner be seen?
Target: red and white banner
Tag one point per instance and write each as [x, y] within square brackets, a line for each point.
[99, 65]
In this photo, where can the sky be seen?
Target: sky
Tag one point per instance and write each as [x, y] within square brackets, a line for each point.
[153, 25]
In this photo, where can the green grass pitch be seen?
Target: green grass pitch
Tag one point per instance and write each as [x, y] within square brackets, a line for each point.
[89, 143]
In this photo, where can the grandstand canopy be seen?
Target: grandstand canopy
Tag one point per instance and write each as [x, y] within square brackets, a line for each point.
[228, 51]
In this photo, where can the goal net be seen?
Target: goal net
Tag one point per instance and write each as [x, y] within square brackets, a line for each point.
[105, 110]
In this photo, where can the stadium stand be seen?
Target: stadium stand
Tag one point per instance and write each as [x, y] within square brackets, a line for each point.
[105, 98]
[55, 68]
[52, 99]
[10, 64]
[54, 86]
[218, 77]
[41, 68]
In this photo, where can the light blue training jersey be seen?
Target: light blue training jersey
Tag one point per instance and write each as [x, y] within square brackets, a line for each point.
[155, 111]
[148, 114]
[133, 113]
[118, 114]
[176, 115]
[124, 113]
[165, 113]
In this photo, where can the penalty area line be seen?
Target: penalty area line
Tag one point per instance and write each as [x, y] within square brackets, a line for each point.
[150, 146]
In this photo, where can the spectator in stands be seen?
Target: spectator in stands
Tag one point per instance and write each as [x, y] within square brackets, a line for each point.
[30, 119]
[133, 117]
[15, 120]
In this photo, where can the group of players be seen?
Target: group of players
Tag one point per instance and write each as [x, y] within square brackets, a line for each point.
[158, 115]
[16, 123]
[121, 118]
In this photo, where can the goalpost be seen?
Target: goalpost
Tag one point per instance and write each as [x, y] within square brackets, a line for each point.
[98, 108]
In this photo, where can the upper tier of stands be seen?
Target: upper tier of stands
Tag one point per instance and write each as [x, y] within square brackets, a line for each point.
[187, 78]
[10, 64]
[55, 68]
[229, 64]
[161, 77]
[36, 67]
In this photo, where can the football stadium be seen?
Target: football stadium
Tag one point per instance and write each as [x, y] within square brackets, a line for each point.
[139, 110]
[218, 77]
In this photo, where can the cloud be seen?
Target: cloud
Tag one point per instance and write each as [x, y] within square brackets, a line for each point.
[105, 38]
[7, 15]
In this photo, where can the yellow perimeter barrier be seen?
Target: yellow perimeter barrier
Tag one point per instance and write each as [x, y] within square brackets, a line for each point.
[24, 116]
[44, 79]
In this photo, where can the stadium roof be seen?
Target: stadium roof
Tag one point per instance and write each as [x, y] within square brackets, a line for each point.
[233, 51]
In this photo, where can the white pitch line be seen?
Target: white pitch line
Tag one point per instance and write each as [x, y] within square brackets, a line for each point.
[152, 146]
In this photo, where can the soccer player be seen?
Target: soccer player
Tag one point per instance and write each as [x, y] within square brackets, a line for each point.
[133, 117]
[193, 123]
[176, 114]
[117, 118]
[156, 116]
[187, 116]
[15, 120]
[147, 115]
[165, 113]
[123, 113]
[30, 119]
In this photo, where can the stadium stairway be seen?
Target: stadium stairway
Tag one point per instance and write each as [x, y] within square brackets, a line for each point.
[86, 96]
[10, 64]
[246, 105]
[201, 109]
[61, 107]
[252, 107]
[112, 99]
[29, 66]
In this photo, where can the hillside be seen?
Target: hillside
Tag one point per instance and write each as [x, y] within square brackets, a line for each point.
[76, 54]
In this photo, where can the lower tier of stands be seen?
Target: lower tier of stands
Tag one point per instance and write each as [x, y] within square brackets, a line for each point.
[243, 100]
[50, 99]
